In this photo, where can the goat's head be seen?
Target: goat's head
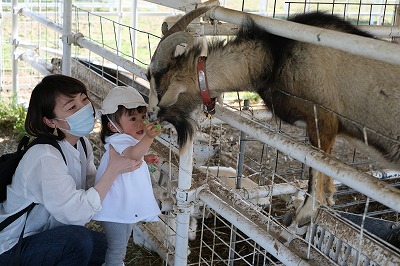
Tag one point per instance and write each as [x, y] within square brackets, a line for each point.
[174, 94]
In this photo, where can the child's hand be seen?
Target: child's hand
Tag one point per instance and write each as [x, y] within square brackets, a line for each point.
[151, 158]
[152, 129]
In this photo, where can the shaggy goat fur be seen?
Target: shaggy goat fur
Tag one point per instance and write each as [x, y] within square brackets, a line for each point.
[351, 93]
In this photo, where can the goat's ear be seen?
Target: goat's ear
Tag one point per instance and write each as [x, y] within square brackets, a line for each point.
[171, 95]
[180, 49]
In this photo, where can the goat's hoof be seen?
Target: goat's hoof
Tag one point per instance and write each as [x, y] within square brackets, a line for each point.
[301, 230]
[294, 228]
[330, 201]
[303, 220]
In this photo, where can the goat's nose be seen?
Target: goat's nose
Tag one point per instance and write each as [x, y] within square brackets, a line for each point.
[152, 116]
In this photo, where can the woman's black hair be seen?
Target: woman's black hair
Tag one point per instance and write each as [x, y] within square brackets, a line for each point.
[116, 118]
[43, 102]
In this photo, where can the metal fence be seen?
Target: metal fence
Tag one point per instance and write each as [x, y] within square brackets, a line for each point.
[235, 194]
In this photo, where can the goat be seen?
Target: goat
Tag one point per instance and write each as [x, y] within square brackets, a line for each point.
[348, 87]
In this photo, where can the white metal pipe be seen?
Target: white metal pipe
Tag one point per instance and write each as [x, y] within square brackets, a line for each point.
[1, 41]
[364, 183]
[174, 4]
[112, 14]
[265, 191]
[110, 56]
[118, 26]
[382, 31]
[134, 24]
[149, 233]
[367, 47]
[185, 166]
[86, 43]
[244, 224]
[35, 64]
[232, 29]
[182, 234]
[67, 37]
[183, 204]
[14, 41]
[386, 174]
[48, 23]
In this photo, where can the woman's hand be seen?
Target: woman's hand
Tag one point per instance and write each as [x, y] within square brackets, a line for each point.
[117, 165]
[121, 164]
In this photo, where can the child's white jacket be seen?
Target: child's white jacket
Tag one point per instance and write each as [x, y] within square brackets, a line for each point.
[131, 198]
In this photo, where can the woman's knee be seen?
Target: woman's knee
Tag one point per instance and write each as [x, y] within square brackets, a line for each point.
[78, 240]
[65, 245]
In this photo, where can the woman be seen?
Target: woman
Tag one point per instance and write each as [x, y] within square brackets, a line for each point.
[66, 199]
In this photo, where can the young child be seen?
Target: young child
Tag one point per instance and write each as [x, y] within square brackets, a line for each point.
[131, 198]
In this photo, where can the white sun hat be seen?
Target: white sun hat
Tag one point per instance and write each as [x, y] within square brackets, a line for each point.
[121, 95]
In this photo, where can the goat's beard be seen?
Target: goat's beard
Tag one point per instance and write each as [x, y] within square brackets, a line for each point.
[184, 125]
[185, 130]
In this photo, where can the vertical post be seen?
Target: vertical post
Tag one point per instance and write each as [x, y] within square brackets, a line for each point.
[119, 20]
[380, 16]
[263, 7]
[397, 19]
[183, 199]
[239, 175]
[1, 48]
[183, 203]
[240, 161]
[134, 26]
[14, 43]
[67, 37]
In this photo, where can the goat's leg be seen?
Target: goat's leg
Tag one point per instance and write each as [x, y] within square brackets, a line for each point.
[327, 133]
[329, 189]
[305, 212]
[319, 185]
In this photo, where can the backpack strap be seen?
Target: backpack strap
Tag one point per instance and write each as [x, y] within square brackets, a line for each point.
[23, 144]
[83, 145]
[18, 246]
[6, 222]
[42, 139]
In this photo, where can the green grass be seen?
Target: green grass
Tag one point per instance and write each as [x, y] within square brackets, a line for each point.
[12, 117]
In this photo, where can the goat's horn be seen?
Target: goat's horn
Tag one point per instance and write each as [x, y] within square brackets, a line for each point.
[184, 21]
[166, 48]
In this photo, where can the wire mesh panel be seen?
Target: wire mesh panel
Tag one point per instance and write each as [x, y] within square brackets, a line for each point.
[31, 39]
[260, 185]
[359, 13]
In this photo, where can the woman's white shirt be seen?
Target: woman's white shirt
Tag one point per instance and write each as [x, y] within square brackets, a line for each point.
[61, 191]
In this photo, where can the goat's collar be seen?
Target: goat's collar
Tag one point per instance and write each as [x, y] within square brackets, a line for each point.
[208, 102]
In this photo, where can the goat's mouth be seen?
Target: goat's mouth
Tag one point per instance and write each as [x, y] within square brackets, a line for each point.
[152, 117]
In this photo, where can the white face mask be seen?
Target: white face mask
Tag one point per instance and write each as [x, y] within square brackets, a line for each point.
[81, 123]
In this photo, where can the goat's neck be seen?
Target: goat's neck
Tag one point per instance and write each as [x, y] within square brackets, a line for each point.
[234, 69]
